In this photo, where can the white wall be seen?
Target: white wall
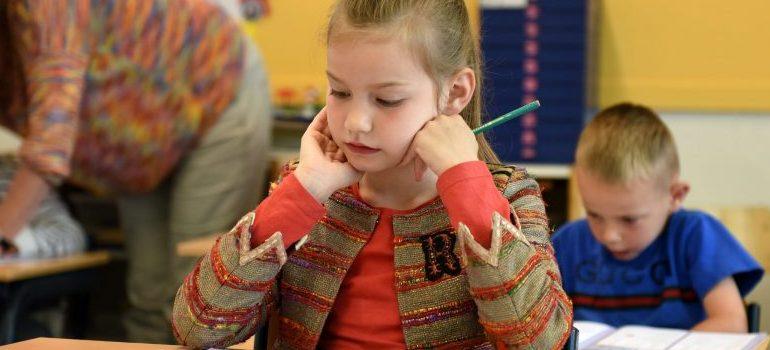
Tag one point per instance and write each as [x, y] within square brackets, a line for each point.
[725, 158]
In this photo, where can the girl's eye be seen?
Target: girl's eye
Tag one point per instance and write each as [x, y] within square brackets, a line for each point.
[389, 103]
[339, 94]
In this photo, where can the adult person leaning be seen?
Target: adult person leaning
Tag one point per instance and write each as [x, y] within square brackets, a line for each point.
[163, 103]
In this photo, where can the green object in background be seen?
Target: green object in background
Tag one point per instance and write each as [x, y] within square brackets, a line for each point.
[529, 107]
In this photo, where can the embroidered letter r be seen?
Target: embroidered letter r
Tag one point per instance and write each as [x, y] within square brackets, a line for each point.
[440, 258]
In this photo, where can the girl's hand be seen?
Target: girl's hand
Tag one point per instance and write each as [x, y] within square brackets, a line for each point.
[442, 143]
[322, 167]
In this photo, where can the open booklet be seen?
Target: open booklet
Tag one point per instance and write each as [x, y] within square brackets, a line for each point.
[599, 336]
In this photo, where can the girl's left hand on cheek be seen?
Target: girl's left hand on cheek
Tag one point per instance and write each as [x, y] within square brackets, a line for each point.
[443, 142]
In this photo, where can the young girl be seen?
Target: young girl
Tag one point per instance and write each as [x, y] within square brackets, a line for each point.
[389, 232]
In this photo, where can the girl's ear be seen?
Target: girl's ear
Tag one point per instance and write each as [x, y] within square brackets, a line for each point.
[460, 91]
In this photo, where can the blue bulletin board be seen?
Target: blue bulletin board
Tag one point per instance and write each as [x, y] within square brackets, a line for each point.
[535, 50]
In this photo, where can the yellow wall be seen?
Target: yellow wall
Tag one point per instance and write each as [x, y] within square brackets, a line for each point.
[683, 54]
[672, 55]
[291, 40]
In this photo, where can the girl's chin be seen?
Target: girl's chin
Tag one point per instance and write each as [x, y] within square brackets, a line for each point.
[369, 166]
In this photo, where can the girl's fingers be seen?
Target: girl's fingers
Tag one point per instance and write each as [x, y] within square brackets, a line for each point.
[317, 144]
[340, 156]
[329, 147]
[326, 131]
[419, 169]
[320, 127]
[320, 122]
[410, 154]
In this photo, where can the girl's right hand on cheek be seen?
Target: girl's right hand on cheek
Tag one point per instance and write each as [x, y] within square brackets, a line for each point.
[322, 167]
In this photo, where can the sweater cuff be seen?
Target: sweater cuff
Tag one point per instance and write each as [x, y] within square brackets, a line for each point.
[290, 209]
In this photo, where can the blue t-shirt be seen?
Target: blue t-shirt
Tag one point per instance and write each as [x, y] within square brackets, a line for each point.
[665, 284]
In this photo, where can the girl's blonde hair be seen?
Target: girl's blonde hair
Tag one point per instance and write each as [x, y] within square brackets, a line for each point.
[626, 142]
[439, 33]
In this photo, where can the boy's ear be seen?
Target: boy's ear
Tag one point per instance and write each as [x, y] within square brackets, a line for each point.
[460, 91]
[679, 190]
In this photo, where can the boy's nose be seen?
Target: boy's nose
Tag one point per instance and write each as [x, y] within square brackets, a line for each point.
[611, 235]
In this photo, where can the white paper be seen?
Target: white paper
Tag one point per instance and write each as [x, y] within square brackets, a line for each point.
[715, 341]
[641, 338]
[590, 332]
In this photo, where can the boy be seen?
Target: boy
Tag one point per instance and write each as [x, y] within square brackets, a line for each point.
[639, 258]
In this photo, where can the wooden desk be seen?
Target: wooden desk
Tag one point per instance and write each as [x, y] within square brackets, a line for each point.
[24, 282]
[76, 344]
[62, 344]
[196, 247]
[763, 344]
[26, 269]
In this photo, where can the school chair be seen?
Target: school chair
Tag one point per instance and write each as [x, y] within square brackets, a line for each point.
[752, 316]
[572, 341]
[260, 338]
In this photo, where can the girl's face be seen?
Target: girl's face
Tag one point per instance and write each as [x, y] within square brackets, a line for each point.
[379, 97]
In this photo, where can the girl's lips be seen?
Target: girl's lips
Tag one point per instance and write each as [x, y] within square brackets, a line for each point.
[361, 149]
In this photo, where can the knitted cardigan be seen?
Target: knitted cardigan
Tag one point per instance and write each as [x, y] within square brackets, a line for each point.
[452, 293]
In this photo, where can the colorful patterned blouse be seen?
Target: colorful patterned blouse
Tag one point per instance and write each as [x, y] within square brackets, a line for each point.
[120, 90]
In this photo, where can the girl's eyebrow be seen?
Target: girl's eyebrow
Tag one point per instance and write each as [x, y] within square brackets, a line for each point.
[332, 77]
[377, 85]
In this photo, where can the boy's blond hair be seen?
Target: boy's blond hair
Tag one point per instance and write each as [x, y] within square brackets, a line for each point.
[625, 142]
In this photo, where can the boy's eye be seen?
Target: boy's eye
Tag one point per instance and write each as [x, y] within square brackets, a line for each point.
[339, 94]
[389, 103]
[630, 221]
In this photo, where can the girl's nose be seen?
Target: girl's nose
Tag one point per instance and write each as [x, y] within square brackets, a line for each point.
[358, 121]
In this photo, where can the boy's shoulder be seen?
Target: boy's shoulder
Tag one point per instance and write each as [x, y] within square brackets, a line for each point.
[685, 222]
[573, 242]
[691, 215]
[572, 230]
[698, 237]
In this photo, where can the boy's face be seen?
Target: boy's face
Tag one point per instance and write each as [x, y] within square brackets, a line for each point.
[379, 97]
[626, 218]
